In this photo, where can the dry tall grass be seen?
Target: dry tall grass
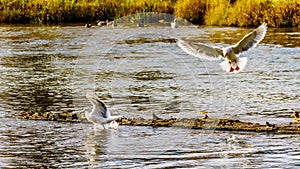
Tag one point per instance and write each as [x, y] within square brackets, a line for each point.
[192, 10]
[277, 13]
[66, 11]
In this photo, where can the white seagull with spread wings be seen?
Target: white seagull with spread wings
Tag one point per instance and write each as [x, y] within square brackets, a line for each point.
[100, 114]
[233, 63]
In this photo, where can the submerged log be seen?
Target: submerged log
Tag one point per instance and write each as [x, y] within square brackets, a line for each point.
[205, 123]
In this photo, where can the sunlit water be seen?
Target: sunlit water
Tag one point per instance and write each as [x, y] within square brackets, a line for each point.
[137, 72]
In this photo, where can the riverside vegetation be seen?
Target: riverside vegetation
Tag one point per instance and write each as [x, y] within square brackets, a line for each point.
[277, 13]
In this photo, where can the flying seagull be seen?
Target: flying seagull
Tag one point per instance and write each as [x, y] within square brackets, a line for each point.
[232, 62]
[100, 114]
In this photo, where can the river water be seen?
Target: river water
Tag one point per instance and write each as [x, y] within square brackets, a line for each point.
[138, 72]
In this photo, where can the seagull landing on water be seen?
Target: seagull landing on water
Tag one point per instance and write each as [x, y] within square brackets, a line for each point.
[231, 54]
[100, 114]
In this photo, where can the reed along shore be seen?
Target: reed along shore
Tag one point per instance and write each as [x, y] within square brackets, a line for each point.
[277, 13]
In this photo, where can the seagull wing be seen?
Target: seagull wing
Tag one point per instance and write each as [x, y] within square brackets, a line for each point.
[102, 109]
[200, 50]
[251, 39]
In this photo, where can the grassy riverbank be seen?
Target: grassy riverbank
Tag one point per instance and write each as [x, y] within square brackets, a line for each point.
[277, 13]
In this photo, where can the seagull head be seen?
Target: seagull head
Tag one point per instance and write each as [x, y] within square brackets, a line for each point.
[98, 105]
[225, 51]
[93, 99]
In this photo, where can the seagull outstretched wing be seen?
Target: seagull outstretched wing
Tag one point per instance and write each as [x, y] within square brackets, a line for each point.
[98, 105]
[251, 39]
[102, 109]
[200, 50]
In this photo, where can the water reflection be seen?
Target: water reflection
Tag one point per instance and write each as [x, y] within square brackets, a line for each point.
[51, 68]
[40, 87]
[96, 141]
[38, 144]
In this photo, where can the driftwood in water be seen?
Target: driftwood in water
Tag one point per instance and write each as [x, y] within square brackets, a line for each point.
[193, 123]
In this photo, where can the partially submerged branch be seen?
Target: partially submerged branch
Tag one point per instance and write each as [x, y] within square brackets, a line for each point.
[205, 123]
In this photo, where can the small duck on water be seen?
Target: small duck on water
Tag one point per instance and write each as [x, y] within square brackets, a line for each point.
[296, 117]
[106, 23]
[88, 25]
[101, 23]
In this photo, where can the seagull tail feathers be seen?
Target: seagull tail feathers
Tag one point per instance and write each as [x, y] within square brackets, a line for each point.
[240, 65]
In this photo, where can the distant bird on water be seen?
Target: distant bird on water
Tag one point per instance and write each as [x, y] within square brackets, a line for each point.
[174, 24]
[233, 63]
[88, 25]
[101, 23]
[100, 114]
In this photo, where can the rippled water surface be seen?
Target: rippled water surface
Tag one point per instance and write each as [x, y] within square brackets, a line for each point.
[137, 72]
